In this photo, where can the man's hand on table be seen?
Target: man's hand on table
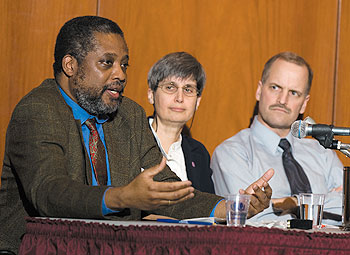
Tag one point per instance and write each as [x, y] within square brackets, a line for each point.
[285, 205]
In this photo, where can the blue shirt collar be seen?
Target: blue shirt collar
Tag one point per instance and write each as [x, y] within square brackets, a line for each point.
[78, 112]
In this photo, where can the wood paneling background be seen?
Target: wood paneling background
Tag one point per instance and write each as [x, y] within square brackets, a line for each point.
[232, 40]
[341, 103]
[28, 34]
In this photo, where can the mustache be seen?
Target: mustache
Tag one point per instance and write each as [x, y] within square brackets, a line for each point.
[117, 85]
[281, 106]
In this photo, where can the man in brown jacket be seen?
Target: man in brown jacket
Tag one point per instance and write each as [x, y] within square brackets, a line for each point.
[47, 169]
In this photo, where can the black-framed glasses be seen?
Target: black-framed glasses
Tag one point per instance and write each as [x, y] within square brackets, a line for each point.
[172, 88]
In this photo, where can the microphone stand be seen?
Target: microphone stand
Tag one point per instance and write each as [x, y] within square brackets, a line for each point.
[342, 147]
[328, 142]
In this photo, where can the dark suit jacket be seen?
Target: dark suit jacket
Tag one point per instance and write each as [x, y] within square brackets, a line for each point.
[46, 169]
[197, 160]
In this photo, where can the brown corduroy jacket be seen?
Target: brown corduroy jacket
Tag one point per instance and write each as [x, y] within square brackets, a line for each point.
[46, 169]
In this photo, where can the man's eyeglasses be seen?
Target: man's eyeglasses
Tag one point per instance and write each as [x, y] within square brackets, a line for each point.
[172, 88]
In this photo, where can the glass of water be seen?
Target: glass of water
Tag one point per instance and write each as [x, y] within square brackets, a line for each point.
[311, 208]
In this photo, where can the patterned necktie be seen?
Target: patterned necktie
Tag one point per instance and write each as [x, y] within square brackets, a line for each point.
[299, 183]
[97, 153]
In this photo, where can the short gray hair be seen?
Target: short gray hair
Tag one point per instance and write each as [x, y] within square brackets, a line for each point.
[179, 65]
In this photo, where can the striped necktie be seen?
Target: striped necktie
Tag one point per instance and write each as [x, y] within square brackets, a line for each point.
[97, 153]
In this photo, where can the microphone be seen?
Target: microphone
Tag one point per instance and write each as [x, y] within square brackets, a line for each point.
[301, 128]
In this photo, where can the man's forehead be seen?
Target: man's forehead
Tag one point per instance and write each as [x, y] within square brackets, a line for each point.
[282, 72]
[110, 42]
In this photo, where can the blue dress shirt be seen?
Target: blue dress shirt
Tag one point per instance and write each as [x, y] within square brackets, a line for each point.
[81, 115]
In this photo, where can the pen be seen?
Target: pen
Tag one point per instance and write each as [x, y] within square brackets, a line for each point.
[168, 220]
[185, 222]
[196, 222]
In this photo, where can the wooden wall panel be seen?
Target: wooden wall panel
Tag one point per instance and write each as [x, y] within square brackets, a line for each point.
[28, 32]
[342, 106]
[233, 40]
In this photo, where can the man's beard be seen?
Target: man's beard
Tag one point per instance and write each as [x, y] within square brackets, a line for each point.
[90, 99]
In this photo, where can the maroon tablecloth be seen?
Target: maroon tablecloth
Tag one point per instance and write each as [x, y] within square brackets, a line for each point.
[45, 236]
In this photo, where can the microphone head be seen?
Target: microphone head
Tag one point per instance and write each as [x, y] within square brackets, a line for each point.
[298, 129]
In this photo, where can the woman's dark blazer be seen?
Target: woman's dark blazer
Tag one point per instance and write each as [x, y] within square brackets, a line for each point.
[197, 160]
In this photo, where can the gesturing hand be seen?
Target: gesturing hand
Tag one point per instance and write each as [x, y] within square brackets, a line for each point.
[146, 194]
[261, 182]
[260, 192]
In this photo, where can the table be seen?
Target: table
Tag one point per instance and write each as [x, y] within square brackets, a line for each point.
[60, 236]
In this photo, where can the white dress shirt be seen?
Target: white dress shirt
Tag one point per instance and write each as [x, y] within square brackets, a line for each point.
[245, 157]
[175, 158]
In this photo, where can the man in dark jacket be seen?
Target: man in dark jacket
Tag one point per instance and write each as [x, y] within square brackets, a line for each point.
[76, 148]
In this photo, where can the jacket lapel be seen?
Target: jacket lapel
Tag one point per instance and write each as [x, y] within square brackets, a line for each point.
[81, 164]
[86, 158]
[117, 137]
[191, 161]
